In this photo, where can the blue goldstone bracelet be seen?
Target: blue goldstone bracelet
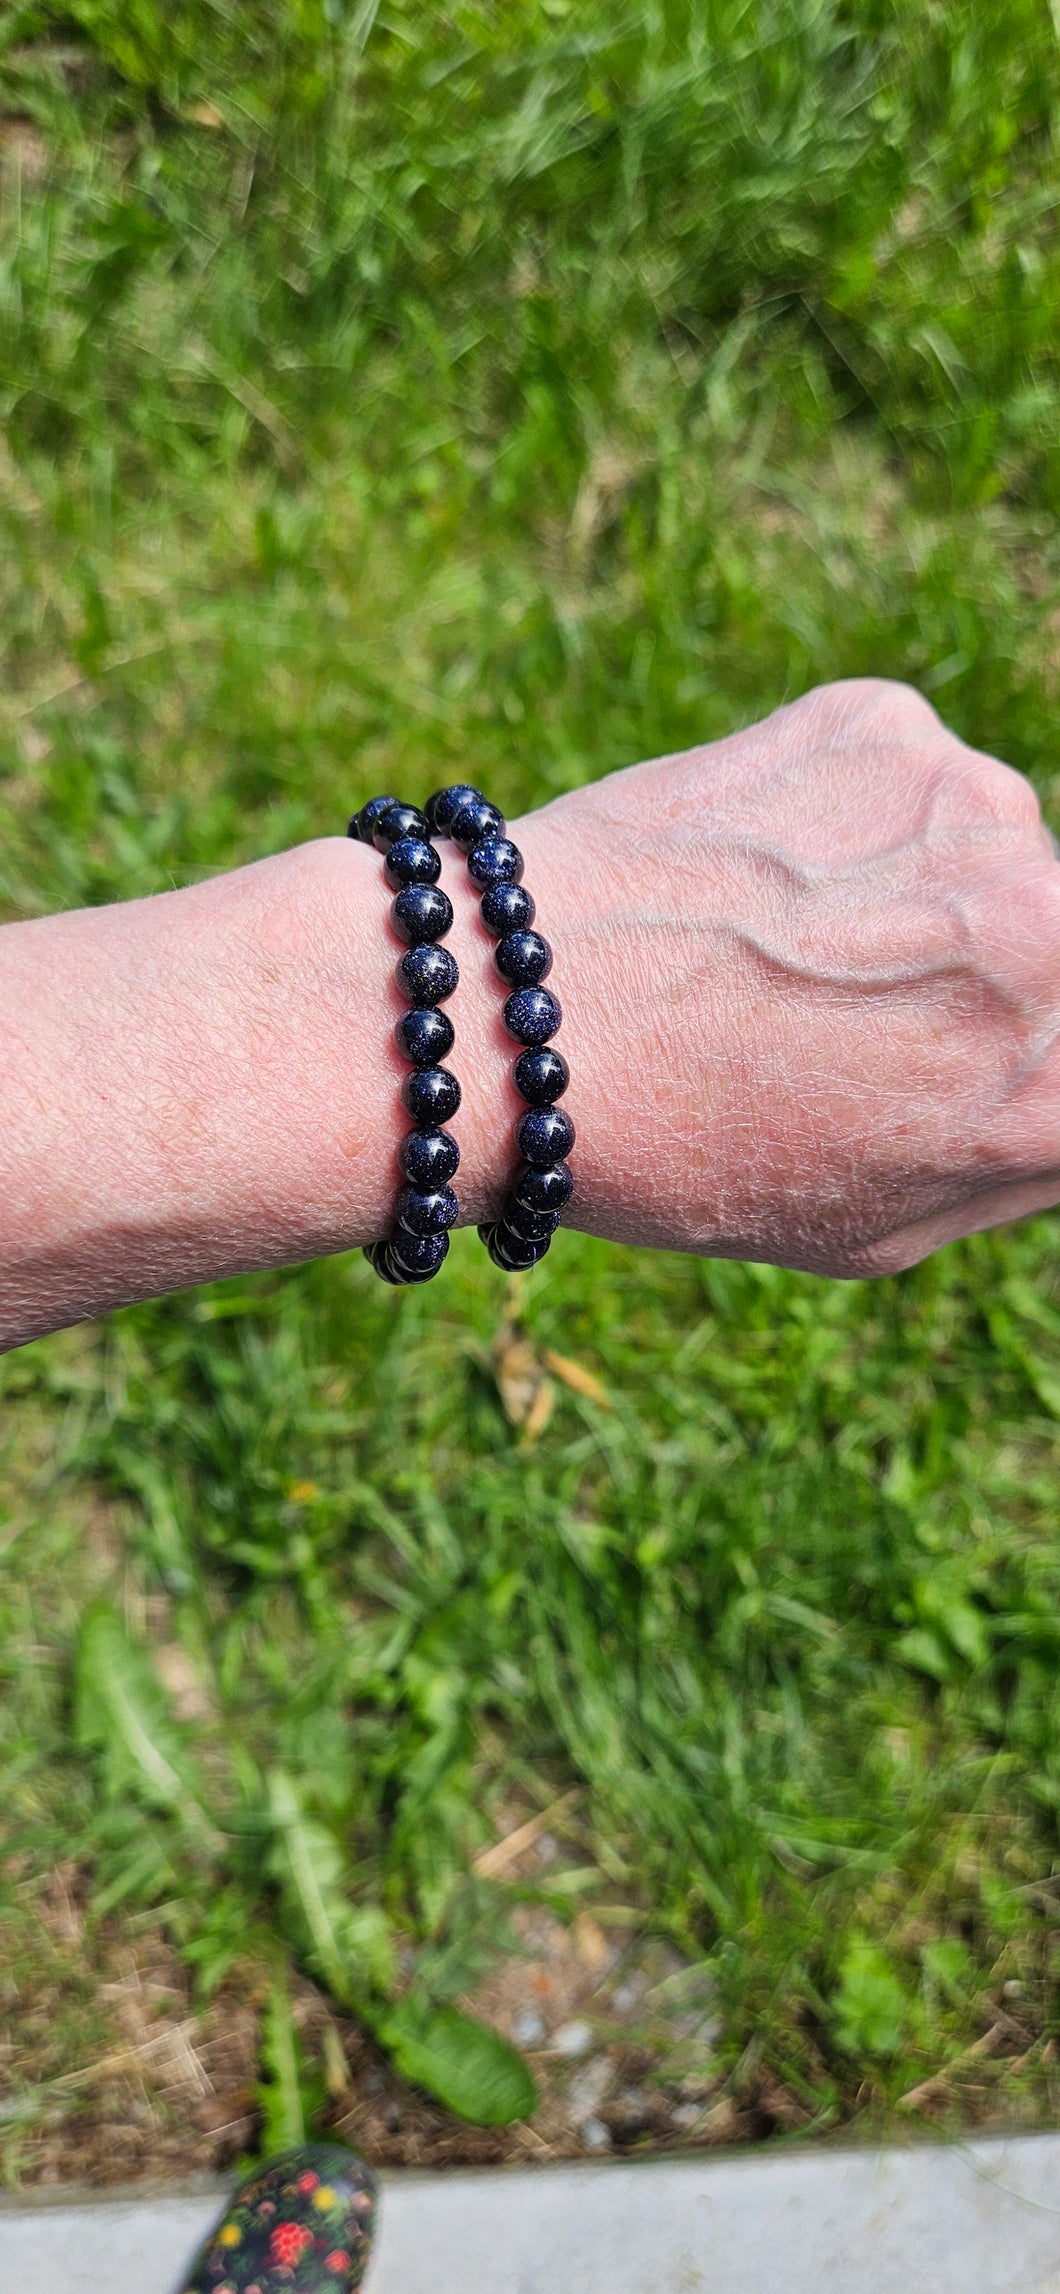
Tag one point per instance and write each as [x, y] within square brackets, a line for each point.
[427, 974]
[544, 1135]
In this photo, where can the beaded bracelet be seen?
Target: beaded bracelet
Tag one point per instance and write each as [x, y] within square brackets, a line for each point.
[427, 974]
[542, 1185]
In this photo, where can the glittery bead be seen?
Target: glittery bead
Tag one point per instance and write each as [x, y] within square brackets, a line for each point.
[426, 1212]
[411, 860]
[523, 959]
[540, 1075]
[431, 1095]
[507, 1251]
[397, 820]
[507, 908]
[495, 860]
[429, 1159]
[421, 912]
[428, 975]
[531, 1015]
[417, 1257]
[363, 822]
[424, 1037]
[543, 1190]
[530, 1226]
[474, 820]
[544, 1135]
[378, 1256]
[442, 807]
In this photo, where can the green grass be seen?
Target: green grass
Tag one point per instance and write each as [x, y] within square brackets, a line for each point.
[395, 393]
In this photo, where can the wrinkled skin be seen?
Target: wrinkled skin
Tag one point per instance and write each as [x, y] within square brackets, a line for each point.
[811, 986]
[812, 982]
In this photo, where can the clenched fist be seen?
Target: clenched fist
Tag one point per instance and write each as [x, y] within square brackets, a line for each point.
[812, 984]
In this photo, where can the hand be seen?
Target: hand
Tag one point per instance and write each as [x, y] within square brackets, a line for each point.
[811, 979]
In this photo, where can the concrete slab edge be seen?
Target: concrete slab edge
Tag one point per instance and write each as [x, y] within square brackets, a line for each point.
[974, 2218]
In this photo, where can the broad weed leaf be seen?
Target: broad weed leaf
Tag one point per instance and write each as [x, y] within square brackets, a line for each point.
[464, 2063]
[121, 1715]
[347, 1944]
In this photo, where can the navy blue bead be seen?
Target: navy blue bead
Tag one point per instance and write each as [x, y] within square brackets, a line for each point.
[543, 1190]
[474, 820]
[530, 1226]
[523, 959]
[544, 1135]
[416, 1257]
[429, 1158]
[431, 1095]
[424, 1037]
[507, 908]
[421, 912]
[411, 860]
[494, 860]
[531, 1015]
[418, 1254]
[378, 1256]
[363, 822]
[428, 975]
[397, 820]
[522, 1250]
[426, 1212]
[507, 1251]
[540, 1075]
[442, 807]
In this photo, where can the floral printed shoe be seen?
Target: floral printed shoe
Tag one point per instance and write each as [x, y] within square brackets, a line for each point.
[301, 2225]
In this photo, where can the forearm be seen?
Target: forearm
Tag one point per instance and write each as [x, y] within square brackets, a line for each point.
[206, 1081]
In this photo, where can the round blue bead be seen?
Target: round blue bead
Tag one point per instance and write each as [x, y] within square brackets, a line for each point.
[363, 822]
[544, 1135]
[411, 860]
[426, 1212]
[474, 820]
[543, 1190]
[378, 1256]
[523, 958]
[442, 807]
[431, 1095]
[417, 1256]
[397, 820]
[421, 912]
[429, 1159]
[424, 1037]
[509, 1251]
[428, 975]
[507, 908]
[530, 1226]
[494, 860]
[540, 1075]
[531, 1015]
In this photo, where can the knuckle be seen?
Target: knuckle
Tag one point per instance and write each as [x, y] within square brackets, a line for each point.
[993, 790]
[885, 703]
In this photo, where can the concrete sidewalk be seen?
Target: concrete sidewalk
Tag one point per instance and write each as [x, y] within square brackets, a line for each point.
[981, 2219]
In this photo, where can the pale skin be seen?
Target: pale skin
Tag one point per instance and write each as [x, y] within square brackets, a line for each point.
[811, 986]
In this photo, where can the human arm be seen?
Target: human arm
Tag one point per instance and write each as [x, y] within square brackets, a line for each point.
[811, 984]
